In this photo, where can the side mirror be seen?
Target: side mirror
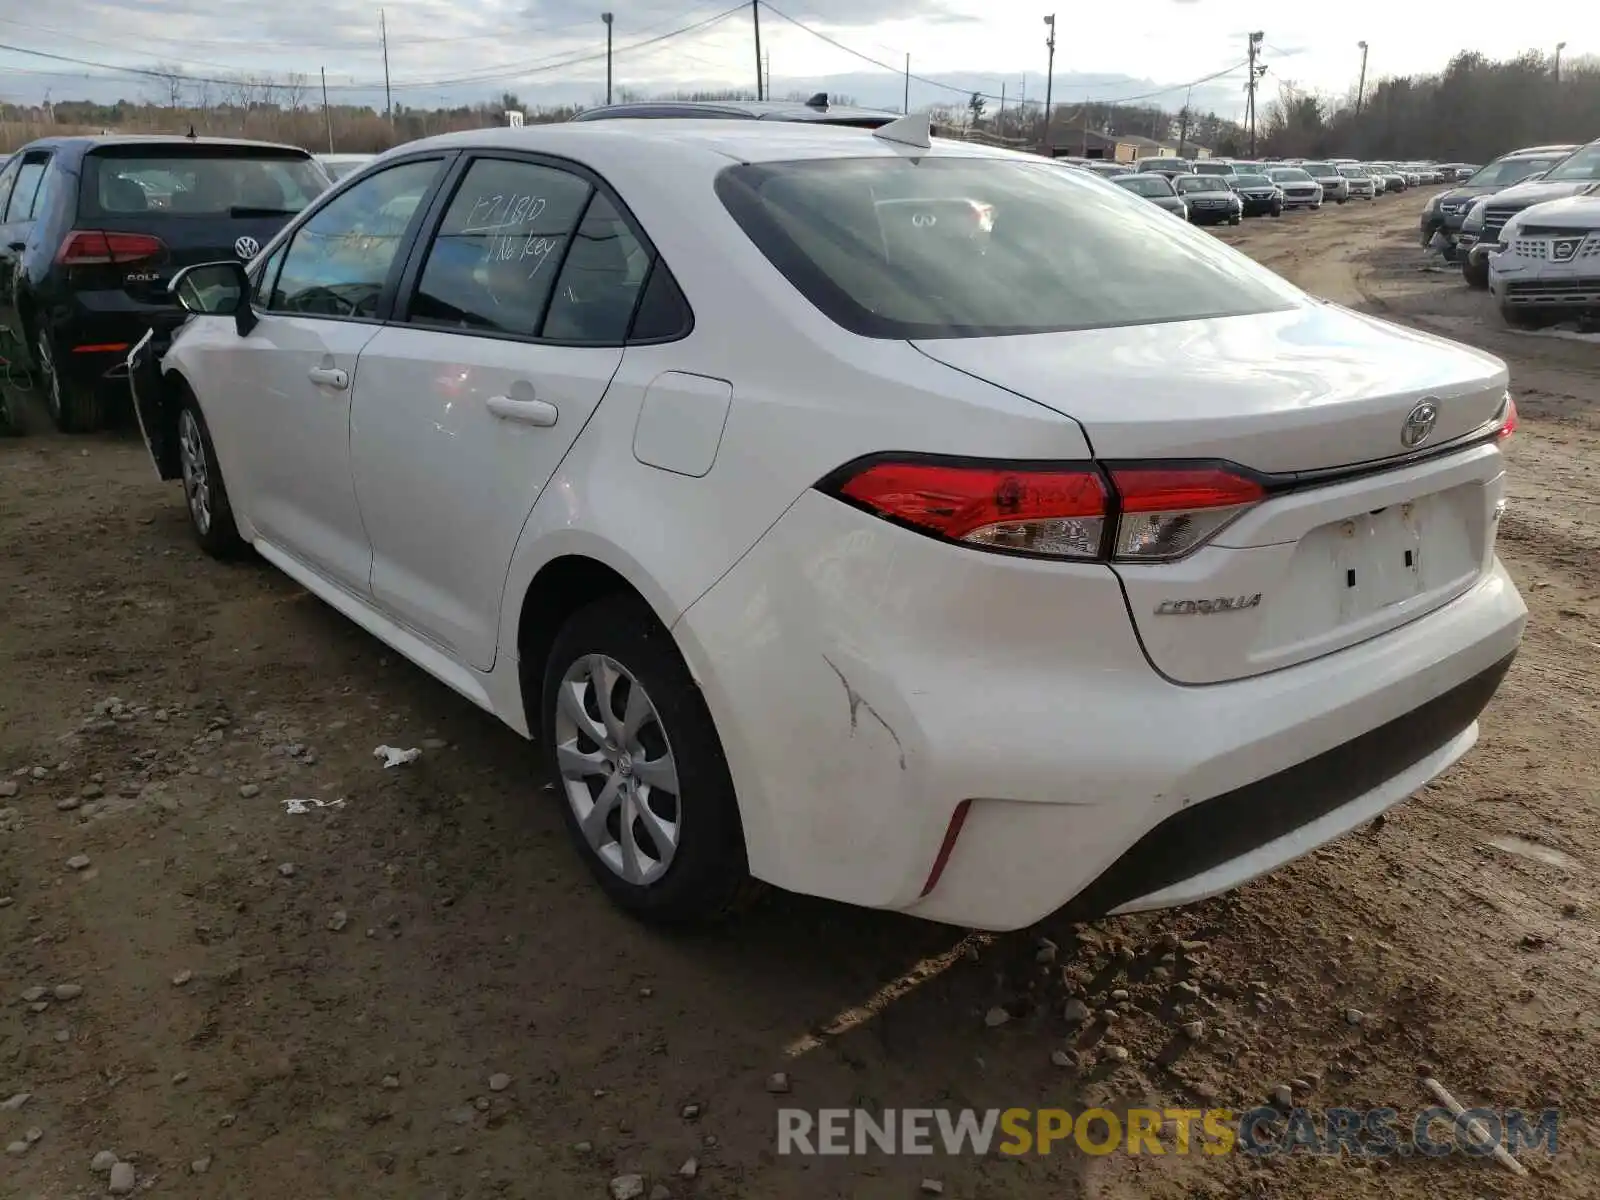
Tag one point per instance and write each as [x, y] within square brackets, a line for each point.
[216, 289]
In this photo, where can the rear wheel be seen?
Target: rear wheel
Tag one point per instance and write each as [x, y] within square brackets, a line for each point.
[74, 407]
[646, 791]
[210, 513]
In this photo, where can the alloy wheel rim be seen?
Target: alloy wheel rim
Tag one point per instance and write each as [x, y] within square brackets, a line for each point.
[617, 769]
[196, 476]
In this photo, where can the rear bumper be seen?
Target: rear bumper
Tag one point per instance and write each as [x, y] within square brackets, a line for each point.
[868, 683]
[94, 331]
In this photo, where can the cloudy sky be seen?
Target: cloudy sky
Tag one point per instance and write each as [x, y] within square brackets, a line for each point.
[552, 51]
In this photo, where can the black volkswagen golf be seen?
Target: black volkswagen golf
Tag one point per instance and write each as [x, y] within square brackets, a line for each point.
[92, 229]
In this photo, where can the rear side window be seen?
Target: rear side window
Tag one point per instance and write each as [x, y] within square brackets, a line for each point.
[23, 204]
[600, 281]
[937, 247]
[198, 181]
[494, 262]
[339, 260]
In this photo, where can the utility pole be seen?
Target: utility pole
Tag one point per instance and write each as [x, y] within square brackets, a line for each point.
[1000, 121]
[1560, 46]
[606, 17]
[388, 98]
[905, 105]
[1361, 87]
[1255, 73]
[327, 117]
[755, 18]
[1049, 80]
[1183, 123]
[769, 76]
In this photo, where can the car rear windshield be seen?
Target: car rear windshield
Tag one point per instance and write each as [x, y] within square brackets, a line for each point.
[204, 181]
[1146, 185]
[948, 247]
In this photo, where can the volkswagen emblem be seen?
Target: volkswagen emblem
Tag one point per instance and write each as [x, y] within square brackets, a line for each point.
[247, 248]
[1419, 424]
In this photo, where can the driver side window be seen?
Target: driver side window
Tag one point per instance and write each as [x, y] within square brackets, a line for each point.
[339, 260]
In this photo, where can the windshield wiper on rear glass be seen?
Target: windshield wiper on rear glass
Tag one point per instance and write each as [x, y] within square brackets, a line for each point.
[250, 210]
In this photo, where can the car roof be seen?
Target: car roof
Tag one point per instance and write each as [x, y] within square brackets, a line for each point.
[817, 109]
[1531, 150]
[94, 141]
[713, 143]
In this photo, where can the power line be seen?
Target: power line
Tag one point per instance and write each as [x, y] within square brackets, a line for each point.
[961, 91]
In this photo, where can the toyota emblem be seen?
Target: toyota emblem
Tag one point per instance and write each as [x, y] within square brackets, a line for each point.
[1419, 424]
[247, 248]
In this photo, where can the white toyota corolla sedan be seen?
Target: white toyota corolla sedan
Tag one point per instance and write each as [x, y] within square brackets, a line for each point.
[908, 523]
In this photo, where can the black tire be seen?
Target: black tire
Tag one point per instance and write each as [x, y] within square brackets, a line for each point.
[707, 876]
[1234, 220]
[1338, 201]
[73, 407]
[1475, 273]
[205, 496]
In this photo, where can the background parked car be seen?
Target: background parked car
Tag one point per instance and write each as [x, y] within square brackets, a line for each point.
[1394, 179]
[1157, 189]
[94, 228]
[1298, 188]
[1110, 170]
[1334, 185]
[1215, 167]
[1575, 175]
[1444, 212]
[1211, 201]
[1259, 196]
[339, 165]
[1358, 184]
[1165, 166]
[1550, 267]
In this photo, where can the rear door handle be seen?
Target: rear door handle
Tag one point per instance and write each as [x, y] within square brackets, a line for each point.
[330, 377]
[529, 412]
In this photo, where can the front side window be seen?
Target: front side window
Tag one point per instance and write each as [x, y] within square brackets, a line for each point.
[266, 276]
[339, 260]
[1580, 165]
[30, 178]
[936, 247]
[493, 264]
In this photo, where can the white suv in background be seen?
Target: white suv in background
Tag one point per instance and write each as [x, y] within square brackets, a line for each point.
[1359, 185]
[826, 519]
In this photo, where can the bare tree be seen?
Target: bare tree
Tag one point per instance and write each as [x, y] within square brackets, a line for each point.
[292, 95]
[168, 82]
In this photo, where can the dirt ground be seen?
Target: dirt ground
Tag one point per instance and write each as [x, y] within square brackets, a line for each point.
[314, 1004]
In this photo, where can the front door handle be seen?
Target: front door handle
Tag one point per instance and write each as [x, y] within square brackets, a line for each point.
[329, 377]
[528, 411]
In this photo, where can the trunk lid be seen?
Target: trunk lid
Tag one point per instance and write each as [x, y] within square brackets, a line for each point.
[203, 201]
[1318, 565]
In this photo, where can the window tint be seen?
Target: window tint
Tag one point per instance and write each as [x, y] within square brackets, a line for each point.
[204, 181]
[663, 311]
[930, 247]
[339, 260]
[23, 196]
[600, 281]
[497, 254]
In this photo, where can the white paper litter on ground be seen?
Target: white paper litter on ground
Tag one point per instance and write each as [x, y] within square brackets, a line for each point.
[393, 756]
[296, 807]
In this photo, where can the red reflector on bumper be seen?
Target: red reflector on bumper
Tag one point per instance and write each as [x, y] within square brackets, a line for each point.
[957, 820]
[101, 348]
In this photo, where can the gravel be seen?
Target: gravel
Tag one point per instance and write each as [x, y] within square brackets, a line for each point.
[249, 791]
[78, 862]
[68, 991]
[1076, 1012]
[102, 1163]
[778, 1083]
[627, 1187]
[499, 1082]
[996, 1017]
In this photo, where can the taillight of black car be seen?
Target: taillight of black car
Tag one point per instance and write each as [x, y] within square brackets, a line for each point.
[96, 247]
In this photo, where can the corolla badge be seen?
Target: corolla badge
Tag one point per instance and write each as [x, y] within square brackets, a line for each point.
[247, 248]
[1419, 424]
[1205, 608]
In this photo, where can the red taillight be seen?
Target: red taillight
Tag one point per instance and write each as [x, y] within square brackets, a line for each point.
[1508, 422]
[95, 247]
[1056, 510]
